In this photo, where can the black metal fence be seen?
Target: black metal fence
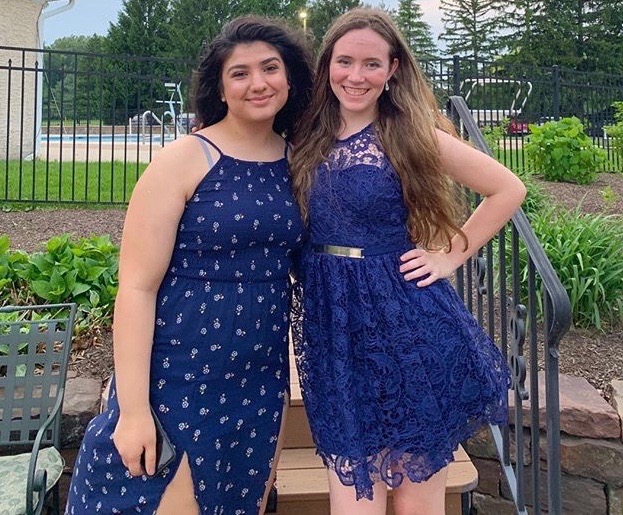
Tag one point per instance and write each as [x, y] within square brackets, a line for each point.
[527, 319]
[80, 128]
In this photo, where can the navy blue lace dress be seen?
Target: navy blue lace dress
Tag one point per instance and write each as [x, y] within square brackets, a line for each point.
[219, 365]
[393, 376]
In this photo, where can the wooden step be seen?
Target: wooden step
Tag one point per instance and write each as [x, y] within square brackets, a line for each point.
[303, 488]
[297, 432]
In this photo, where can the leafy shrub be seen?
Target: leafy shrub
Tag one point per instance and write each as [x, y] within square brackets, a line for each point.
[562, 151]
[493, 134]
[83, 271]
[615, 131]
[12, 289]
[586, 251]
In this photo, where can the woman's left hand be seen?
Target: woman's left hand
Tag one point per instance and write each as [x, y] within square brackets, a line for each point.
[418, 263]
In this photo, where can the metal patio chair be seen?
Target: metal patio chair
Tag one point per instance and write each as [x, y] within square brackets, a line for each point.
[34, 355]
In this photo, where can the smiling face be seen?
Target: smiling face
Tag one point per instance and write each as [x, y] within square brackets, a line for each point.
[255, 82]
[359, 67]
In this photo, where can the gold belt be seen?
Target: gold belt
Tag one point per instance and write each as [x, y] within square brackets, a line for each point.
[336, 250]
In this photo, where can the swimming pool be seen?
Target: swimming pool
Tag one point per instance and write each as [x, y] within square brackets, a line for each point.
[154, 138]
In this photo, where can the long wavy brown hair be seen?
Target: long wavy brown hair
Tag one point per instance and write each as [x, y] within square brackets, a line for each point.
[407, 118]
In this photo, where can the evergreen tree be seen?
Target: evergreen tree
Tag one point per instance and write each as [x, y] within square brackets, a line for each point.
[517, 24]
[579, 34]
[471, 28]
[286, 9]
[142, 29]
[195, 23]
[323, 12]
[608, 45]
[415, 30]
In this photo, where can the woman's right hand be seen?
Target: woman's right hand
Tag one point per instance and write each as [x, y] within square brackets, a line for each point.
[135, 435]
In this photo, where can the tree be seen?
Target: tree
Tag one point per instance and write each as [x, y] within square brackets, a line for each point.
[141, 31]
[286, 9]
[580, 34]
[415, 30]
[142, 28]
[470, 28]
[194, 23]
[69, 77]
[323, 12]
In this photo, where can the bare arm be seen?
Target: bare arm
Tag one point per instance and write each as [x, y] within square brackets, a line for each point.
[503, 193]
[149, 233]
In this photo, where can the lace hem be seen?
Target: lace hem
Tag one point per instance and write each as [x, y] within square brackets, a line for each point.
[390, 392]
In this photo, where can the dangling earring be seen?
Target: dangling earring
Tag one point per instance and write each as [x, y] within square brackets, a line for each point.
[386, 85]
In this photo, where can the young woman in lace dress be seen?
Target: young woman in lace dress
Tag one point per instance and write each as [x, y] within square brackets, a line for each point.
[395, 372]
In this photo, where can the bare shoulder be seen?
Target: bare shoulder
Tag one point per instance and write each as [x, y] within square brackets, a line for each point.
[179, 165]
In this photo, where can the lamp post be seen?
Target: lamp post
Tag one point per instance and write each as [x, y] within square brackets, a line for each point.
[303, 17]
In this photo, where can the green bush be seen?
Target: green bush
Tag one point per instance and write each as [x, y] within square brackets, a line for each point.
[83, 271]
[586, 251]
[615, 131]
[562, 152]
[12, 289]
[493, 134]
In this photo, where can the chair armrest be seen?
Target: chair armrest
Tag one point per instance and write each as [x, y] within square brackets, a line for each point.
[36, 480]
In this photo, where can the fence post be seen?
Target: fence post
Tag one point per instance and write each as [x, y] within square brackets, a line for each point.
[456, 75]
[556, 92]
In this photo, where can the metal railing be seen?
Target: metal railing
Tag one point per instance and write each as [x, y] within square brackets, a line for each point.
[525, 309]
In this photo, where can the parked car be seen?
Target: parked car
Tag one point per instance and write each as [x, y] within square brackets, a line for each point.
[517, 127]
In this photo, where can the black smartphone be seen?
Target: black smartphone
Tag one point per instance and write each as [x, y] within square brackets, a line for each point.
[165, 451]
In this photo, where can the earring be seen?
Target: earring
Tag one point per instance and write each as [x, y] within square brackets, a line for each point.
[386, 85]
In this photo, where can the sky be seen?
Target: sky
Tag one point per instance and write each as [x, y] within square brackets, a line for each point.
[89, 17]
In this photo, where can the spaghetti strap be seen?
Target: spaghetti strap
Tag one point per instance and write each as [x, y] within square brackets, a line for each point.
[204, 146]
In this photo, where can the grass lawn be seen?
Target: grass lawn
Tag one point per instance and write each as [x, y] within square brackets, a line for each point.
[81, 182]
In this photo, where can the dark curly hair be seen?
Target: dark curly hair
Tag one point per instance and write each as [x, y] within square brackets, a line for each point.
[207, 86]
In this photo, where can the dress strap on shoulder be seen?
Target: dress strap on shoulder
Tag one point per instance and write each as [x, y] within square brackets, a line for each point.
[204, 145]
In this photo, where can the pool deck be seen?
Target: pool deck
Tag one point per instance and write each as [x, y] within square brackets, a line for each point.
[95, 151]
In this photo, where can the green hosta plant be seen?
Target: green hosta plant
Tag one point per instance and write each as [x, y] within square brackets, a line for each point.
[84, 272]
[561, 151]
[12, 288]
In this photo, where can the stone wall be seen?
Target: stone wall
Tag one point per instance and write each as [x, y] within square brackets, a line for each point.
[591, 451]
[18, 28]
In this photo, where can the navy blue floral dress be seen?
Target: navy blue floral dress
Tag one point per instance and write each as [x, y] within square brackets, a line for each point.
[219, 365]
[393, 376]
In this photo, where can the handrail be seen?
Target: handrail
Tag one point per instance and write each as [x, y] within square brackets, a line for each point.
[560, 304]
[556, 321]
